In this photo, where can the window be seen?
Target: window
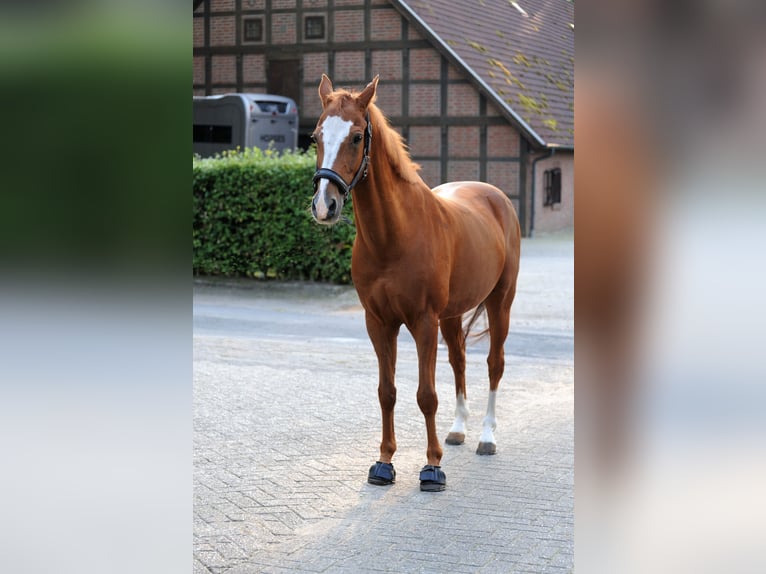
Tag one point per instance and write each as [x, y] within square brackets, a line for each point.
[252, 29]
[269, 107]
[314, 28]
[212, 134]
[552, 187]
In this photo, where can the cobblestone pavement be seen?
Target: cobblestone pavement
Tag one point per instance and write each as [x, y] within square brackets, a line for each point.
[286, 424]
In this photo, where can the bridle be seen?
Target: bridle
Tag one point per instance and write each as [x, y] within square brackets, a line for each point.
[361, 173]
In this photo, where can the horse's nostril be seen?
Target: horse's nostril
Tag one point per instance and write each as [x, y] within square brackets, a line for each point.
[331, 208]
[314, 207]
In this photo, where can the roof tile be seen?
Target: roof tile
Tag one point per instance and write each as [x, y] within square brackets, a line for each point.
[527, 61]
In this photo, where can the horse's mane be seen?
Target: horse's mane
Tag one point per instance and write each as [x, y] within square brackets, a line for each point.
[393, 145]
[385, 138]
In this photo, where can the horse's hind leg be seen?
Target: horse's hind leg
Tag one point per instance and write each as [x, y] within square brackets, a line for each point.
[454, 337]
[498, 314]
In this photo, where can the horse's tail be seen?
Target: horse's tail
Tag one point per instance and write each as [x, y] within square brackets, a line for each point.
[469, 324]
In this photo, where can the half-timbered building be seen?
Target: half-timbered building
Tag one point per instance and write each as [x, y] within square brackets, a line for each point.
[480, 89]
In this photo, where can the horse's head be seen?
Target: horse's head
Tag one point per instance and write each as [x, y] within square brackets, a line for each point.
[343, 136]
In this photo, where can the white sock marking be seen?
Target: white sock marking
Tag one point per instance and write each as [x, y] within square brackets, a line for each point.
[461, 414]
[489, 424]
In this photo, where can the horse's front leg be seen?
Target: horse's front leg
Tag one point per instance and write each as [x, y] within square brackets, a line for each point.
[383, 339]
[426, 333]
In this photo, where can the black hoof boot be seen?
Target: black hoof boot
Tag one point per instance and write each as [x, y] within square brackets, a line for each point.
[382, 474]
[432, 478]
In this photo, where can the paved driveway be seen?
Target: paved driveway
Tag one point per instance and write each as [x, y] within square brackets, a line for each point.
[286, 424]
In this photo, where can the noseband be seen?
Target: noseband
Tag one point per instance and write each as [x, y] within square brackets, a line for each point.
[361, 173]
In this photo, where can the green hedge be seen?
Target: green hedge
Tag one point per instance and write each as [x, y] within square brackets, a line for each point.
[252, 218]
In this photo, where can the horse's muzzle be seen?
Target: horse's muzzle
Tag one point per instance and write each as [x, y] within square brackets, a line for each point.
[327, 210]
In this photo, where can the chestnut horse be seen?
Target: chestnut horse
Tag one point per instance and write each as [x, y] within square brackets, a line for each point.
[421, 258]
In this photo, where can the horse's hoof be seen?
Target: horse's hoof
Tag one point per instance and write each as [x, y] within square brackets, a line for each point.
[455, 438]
[382, 474]
[432, 478]
[486, 448]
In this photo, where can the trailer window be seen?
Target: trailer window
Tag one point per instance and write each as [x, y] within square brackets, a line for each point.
[268, 107]
[212, 134]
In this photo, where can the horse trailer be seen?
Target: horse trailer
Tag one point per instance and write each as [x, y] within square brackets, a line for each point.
[228, 121]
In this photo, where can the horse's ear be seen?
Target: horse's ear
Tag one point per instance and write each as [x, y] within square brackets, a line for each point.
[325, 89]
[368, 94]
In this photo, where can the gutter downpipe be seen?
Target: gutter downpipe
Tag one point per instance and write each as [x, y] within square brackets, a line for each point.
[551, 153]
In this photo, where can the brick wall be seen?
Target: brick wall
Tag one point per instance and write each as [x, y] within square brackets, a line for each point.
[349, 26]
[386, 25]
[283, 30]
[462, 100]
[222, 5]
[502, 141]
[389, 99]
[425, 140]
[349, 68]
[425, 100]
[453, 73]
[425, 64]
[199, 32]
[505, 175]
[253, 68]
[222, 32]
[224, 69]
[430, 171]
[413, 34]
[198, 65]
[314, 65]
[493, 110]
[312, 106]
[463, 141]
[387, 63]
[460, 170]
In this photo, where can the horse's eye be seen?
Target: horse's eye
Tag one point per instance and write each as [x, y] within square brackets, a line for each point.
[313, 138]
[357, 138]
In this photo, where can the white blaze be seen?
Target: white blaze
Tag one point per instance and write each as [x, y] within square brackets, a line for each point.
[334, 132]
